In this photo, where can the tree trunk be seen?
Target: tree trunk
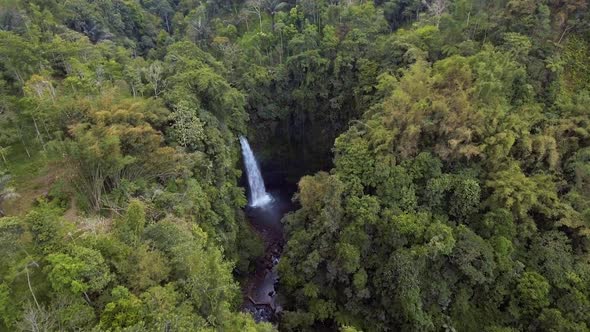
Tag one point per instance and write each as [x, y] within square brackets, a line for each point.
[562, 35]
[167, 24]
[39, 134]
[88, 299]
[20, 135]
[31, 288]
[282, 47]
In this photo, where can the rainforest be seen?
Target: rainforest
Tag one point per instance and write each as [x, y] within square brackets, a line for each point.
[296, 165]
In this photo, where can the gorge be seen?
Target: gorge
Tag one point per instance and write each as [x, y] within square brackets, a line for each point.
[264, 212]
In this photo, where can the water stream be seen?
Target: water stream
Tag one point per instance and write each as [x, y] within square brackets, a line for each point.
[264, 212]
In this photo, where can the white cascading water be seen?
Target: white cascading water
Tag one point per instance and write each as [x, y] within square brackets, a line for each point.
[258, 195]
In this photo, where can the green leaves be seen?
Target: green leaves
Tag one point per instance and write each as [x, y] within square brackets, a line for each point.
[118, 142]
[47, 228]
[458, 197]
[347, 257]
[21, 57]
[188, 130]
[532, 292]
[515, 191]
[449, 189]
[84, 271]
[196, 84]
[125, 310]
[130, 228]
[6, 192]
[473, 256]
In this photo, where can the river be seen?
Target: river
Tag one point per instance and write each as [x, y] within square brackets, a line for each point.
[260, 293]
[264, 213]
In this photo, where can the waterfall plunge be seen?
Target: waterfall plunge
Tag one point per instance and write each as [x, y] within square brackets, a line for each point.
[258, 195]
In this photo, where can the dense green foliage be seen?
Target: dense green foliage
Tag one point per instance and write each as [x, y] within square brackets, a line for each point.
[143, 228]
[459, 201]
[457, 133]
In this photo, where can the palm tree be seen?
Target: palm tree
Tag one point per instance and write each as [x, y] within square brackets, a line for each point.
[6, 192]
[272, 7]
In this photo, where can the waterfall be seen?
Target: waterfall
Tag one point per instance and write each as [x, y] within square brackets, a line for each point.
[258, 195]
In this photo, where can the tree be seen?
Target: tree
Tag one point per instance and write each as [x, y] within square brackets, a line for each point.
[188, 130]
[514, 190]
[272, 7]
[131, 226]
[145, 268]
[118, 143]
[154, 75]
[473, 256]
[532, 293]
[6, 192]
[124, 310]
[47, 228]
[207, 280]
[20, 57]
[37, 319]
[163, 9]
[83, 272]
[4, 150]
[256, 6]
[132, 74]
[436, 8]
